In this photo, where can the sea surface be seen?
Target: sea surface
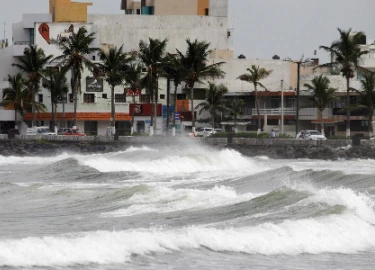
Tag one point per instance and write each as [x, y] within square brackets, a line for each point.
[185, 207]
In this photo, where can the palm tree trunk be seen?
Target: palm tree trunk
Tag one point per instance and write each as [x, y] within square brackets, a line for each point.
[156, 103]
[113, 109]
[258, 111]
[347, 104]
[75, 84]
[152, 104]
[15, 119]
[33, 106]
[321, 121]
[192, 109]
[132, 127]
[175, 111]
[63, 111]
[52, 111]
[370, 129]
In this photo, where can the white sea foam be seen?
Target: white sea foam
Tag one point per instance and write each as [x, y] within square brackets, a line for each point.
[344, 234]
[360, 204]
[225, 160]
[32, 160]
[163, 200]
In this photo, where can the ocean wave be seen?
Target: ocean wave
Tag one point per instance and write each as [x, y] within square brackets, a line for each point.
[344, 234]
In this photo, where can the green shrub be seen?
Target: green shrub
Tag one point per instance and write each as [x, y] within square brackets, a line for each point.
[284, 136]
[337, 138]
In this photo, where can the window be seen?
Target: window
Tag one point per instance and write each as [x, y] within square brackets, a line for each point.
[128, 11]
[91, 128]
[32, 35]
[104, 96]
[145, 98]
[181, 96]
[199, 94]
[275, 103]
[138, 11]
[88, 98]
[291, 102]
[71, 98]
[122, 127]
[207, 11]
[162, 96]
[120, 98]
[40, 98]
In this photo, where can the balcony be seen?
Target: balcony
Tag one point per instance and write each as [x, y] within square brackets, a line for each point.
[313, 113]
[275, 111]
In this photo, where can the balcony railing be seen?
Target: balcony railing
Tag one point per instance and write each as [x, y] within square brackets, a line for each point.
[275, 111]
[314, 112]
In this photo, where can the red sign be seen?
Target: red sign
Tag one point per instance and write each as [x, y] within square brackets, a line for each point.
[44, 31]
[144, 109]
[130, 92]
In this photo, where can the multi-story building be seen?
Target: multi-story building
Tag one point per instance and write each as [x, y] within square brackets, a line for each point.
[175, 20]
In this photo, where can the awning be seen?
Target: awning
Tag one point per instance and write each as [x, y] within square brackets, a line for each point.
[80, 116]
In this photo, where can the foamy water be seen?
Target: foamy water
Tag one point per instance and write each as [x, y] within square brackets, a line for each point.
[150, 208]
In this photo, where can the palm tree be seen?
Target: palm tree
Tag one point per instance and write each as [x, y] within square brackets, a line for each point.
[214, 101]
[346, 53]
[322, 94]
[74, 57]
[256, 75]
[56, 84]
[175, 71]
[134, 82]
[152, 55]
[367, 97]
[195, 63]
[235, 109]
[115, 63]
[16, 95]
[32, 63]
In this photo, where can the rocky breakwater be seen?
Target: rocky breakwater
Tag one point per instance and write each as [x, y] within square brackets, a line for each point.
[49, 148]
[311, 152]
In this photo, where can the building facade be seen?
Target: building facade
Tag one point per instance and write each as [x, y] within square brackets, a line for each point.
[174, 20]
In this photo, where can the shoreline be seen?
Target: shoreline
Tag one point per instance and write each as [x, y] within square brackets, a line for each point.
[23, 148]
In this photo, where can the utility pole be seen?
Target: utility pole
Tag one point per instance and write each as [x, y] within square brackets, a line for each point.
[282, 105]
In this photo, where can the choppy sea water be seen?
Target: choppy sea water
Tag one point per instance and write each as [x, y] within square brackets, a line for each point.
[185, 207]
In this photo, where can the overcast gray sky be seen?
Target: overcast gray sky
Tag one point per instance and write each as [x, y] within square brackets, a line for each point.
[262, 28]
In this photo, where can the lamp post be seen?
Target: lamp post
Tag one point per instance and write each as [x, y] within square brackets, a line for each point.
[298, 90]
[282, 105]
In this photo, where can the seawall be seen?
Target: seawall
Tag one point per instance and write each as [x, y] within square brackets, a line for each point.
[273, 148]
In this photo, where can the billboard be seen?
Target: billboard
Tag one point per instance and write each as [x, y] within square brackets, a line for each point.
[94, 84]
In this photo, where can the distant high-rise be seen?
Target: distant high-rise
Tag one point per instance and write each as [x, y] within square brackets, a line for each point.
[68, 11]
[176, 7]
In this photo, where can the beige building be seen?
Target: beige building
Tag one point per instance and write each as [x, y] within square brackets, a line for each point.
[166, 7]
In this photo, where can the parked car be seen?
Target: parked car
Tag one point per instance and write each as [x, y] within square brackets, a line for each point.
[74, 132]
[61, 131]
[310, 135]
[40, 131]
[204, 131]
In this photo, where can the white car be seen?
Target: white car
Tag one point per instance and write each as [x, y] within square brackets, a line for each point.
[310, 135]
[40, 131]
[204, 131]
